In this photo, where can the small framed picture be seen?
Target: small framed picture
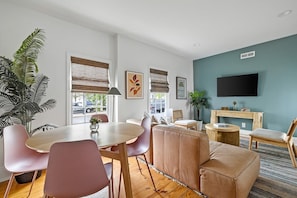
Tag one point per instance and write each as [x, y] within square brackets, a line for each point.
[181, 88]
[134, 85]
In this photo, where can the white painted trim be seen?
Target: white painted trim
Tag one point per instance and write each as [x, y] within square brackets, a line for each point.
[4, 174]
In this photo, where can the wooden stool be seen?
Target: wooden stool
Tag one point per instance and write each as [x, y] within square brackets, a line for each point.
[228, 134]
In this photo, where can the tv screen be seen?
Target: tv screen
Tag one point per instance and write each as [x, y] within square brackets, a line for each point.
[241, 85]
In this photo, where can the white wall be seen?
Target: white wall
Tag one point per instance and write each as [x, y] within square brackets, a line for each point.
[63, 38]
[139, 57]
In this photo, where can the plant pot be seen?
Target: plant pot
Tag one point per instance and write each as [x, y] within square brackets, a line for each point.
[27, 177]
[200, 125]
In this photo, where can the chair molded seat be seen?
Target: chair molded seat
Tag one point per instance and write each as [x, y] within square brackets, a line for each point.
[75, 169]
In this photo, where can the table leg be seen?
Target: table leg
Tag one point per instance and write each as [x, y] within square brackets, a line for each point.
[125, 168]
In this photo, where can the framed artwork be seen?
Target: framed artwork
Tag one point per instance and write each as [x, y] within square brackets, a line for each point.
[134, 85]
[181, 88]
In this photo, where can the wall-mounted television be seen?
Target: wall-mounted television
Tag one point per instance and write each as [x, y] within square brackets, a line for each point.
[240, 85]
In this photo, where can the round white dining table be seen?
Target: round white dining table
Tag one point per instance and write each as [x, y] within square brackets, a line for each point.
[110, 133]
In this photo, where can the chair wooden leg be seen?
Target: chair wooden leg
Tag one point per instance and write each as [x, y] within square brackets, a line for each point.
[120, 183]
[292, 154]
[9, 185]
[150, 172]
[138, 165]
[32, 182]
[251, 143]
[112, 190]
[294, 149]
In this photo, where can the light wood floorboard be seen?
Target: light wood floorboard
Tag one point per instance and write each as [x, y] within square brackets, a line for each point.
[141, 185]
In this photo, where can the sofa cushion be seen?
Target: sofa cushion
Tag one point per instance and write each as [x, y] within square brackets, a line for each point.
[230, 172]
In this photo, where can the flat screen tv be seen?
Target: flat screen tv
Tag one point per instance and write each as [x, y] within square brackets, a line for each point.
[241, 85]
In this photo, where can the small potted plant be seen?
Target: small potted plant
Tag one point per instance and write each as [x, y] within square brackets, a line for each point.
[94, 124]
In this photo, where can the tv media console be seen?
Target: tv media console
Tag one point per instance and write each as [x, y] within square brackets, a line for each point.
[257, 117]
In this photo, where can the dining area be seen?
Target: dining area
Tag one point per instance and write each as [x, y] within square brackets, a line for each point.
[43, 146]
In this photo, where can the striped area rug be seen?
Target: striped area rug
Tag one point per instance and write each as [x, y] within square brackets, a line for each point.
[277, 176]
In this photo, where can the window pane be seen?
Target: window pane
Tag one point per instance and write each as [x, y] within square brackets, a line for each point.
[84, 105]
[157, 103]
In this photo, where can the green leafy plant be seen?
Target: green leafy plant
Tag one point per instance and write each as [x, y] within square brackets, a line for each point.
[198, 100]
[95, 120]
[22, 88]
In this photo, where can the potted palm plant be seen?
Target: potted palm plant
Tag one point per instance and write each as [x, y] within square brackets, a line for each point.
[22, 87]
[198, 100]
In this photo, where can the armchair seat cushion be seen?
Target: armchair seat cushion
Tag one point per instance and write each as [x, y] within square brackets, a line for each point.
[269, 134]
[185, 122]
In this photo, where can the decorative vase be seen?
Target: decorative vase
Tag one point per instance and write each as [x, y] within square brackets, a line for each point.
[94, 127]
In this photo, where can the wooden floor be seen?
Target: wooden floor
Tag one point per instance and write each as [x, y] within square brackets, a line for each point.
[141, 185]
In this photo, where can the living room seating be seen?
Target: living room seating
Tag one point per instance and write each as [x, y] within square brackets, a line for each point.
[276, 138]
[178, 120]
[75, 169]
[139, 147]
[18, 158]
[212, 168]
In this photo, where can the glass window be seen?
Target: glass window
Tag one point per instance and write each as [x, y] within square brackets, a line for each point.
[157, 102]
[84, 105]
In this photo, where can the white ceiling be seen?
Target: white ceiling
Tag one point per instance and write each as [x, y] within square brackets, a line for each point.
[191, 28]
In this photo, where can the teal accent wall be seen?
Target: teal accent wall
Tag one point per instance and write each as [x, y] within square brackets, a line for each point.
[276, 63]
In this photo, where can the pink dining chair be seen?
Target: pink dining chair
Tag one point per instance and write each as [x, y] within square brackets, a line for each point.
[101, 116]
[75, 169]
[18, 158]
[139, 147]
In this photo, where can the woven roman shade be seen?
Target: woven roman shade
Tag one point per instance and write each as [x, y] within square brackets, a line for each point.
[89, 76]
[159, 81]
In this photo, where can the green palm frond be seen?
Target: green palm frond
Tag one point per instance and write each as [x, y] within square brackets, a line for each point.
[25, 66]
[49, 104]
[21, 87]
[38, 88]
[7, 101]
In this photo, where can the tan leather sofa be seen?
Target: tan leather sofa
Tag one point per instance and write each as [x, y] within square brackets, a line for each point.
[212, 168]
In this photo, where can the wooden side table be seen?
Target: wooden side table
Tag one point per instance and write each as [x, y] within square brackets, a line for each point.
[228, 134]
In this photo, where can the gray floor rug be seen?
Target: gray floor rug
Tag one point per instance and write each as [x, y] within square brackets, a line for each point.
[277, 176]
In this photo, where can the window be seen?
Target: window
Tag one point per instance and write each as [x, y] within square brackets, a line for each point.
[89, 85]
[159, 89]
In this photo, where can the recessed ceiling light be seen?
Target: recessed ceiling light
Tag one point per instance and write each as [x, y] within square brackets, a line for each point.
[285, 13]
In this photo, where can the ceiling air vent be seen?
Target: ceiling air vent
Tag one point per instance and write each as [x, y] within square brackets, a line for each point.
[248, 55]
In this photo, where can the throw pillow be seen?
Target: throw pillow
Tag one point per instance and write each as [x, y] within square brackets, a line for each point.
[154, 119]
[163, 121]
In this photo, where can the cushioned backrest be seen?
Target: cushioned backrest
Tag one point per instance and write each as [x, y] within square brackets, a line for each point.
[179, 152]
[177, 115]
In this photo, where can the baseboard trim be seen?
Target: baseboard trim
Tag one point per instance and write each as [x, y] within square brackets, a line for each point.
[4, 174]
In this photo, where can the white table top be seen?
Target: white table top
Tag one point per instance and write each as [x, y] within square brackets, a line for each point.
[109, 134]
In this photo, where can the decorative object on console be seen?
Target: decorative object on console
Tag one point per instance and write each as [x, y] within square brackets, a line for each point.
[134, 85]
[181, 88]
[234, 105]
